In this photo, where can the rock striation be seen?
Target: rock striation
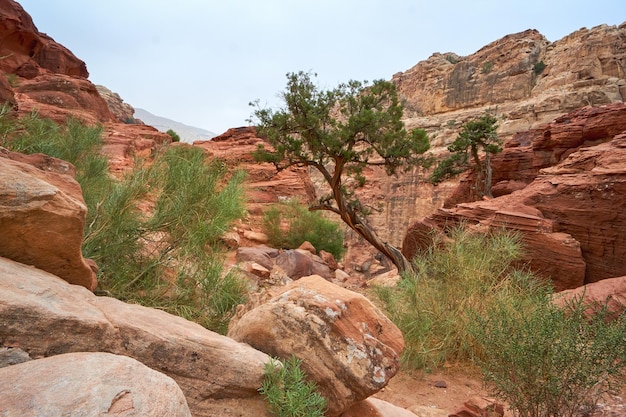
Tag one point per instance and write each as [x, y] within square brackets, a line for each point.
[563, 186]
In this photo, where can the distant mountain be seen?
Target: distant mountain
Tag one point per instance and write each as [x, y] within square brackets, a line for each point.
[187, 133]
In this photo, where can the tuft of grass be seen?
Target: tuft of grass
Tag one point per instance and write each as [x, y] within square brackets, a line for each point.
[287, 391]
[432, 307]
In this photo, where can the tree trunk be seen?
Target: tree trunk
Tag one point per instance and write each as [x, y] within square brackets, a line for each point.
[391, 252]
[488, 175]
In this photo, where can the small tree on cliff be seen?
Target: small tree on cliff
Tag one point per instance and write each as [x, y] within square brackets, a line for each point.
[339, 132]
[476, 136]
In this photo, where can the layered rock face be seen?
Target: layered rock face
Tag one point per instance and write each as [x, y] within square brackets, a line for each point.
[525, 78]
[564, 188]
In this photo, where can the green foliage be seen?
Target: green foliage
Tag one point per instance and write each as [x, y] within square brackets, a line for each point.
[168, 260]
[476, 136]
[487, 67]
[288, 393]
[468, 272]
[548, 361]
[167, 257]
[175, 137]
[539, 67]
[340, 132]
[290, 224]
[453, 59]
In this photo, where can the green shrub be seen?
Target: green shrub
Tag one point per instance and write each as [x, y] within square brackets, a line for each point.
[432, 307]
[539, 67]
[288, 393]
[167, 257]
[170, 259]
[487, 67]
[290, 224]
[544, 360]
[175, 137]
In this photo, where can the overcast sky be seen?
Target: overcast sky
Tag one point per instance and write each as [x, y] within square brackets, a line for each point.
[200, 62]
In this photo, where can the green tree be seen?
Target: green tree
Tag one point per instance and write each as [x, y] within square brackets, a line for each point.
[476, 136]
[339, 132]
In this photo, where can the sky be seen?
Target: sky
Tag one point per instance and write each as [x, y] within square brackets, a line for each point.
[201, 62]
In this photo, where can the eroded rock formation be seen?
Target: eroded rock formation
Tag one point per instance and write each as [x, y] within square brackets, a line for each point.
[563, 187]
[42, 216]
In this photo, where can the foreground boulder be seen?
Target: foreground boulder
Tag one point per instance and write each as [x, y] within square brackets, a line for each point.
[42, 216]
[45, 316]
[347, 346]
[89, 384]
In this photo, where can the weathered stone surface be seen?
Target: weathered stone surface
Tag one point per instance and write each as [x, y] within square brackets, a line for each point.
[23, 46]
[348, 347]
[551, 254]
[479, 407]
[123, 143]
[583, 68]
[299, 263]
[609, 293]
[42, 216]
[59, 96]
[123, 112]
[263, 255]
[12, 356]
[264, 185]
[373, 407]
[46, 316]
[89, 384]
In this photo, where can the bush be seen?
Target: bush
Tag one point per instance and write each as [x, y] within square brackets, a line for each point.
[175, 137]
[170, 258]
[539, 67]
[548, 361]
[167, 257]
[290, 224]
[431, 307]
[287, 392]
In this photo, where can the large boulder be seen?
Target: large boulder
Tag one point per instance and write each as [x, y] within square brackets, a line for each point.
[42, 216]
[45, 316]
[89, 384]
[347, 346]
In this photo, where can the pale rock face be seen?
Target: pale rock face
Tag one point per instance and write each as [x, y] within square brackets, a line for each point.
[348, 347]
[42, 216]
[46, 316]
[88, 384]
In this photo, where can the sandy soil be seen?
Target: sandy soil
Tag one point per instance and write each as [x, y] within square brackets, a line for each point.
[410, 389]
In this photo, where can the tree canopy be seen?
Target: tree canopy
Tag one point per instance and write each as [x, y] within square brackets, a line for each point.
[339, 132]
[479, 135]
